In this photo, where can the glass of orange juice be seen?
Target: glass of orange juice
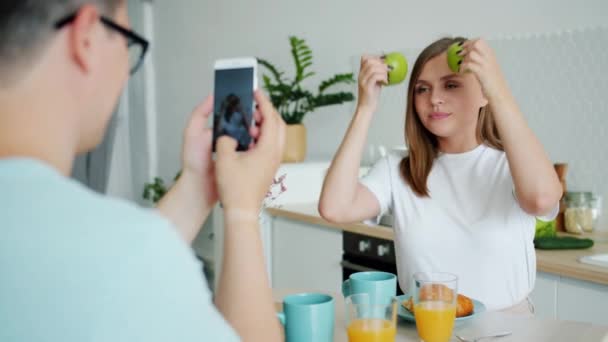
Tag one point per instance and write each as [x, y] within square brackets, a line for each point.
[435, 305]
[367, 321]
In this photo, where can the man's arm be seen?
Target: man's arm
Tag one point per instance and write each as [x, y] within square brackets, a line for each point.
[191, 199]
[244, 295]
[186, 205]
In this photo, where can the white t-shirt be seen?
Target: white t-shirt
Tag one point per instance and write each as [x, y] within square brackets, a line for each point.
[471, 225]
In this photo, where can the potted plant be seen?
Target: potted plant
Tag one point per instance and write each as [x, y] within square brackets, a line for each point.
[157, 189]
[293, 101]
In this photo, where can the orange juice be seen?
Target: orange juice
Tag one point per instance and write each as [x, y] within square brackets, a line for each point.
[435, 320]
[371, 330]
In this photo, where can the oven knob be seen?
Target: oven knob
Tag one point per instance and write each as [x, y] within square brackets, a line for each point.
[384, 249]
[364, 245]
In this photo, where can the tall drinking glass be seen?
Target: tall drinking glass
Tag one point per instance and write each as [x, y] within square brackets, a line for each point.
[435, 305]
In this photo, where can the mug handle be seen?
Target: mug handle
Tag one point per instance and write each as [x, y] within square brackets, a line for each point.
[346, 288]
[281, 317]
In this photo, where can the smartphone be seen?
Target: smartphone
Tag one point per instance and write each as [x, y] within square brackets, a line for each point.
[235, 81]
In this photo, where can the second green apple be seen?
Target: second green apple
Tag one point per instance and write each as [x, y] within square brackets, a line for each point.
[454, 58]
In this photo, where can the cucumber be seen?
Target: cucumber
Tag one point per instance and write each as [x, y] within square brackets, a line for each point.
[562, 242]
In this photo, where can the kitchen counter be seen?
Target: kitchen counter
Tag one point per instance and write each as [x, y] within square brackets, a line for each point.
[560, 262]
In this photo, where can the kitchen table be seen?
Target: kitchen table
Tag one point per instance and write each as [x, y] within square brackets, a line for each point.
[523, 329]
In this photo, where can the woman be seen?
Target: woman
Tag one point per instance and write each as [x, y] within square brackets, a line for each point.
[234, 121]
[465, 199]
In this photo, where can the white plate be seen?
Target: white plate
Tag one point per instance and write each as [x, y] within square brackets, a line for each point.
[478, 308]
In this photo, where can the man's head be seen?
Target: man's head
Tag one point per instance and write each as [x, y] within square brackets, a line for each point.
[67, 55]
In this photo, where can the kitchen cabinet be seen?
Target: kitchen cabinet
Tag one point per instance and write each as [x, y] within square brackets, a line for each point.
[563, 298]
[582, 301]
[306, 256]
[544, 295]
[302, 182]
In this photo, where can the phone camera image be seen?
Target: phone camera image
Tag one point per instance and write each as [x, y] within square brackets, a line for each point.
[233, 105]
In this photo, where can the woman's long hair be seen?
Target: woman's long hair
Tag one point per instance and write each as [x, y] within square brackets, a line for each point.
[230, 105]
[422, 144]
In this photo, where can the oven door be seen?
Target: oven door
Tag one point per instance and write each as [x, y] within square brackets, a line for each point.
[361, 254]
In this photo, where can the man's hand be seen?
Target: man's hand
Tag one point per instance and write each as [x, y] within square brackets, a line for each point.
[198, 170]
[244, 178]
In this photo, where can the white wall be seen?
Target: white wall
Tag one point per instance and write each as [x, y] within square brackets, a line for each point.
[191, 34]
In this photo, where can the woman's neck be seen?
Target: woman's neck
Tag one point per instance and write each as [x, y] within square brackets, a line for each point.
[457, 144]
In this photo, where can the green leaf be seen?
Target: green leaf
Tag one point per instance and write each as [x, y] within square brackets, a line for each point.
[267, 82]
[332, 99]
[306, 59]
[276, 73]
[294, 118]
[156, 190]
[339, 78]
[299, 51]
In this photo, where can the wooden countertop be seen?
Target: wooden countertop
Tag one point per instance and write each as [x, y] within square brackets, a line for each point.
[560, 262]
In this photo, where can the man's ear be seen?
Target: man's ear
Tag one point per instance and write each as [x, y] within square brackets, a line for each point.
[484, 102]
[82, 36]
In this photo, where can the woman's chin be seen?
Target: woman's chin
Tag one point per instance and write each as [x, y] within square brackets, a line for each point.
[441, 131]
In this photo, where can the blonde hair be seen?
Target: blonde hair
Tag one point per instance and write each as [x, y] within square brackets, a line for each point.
[422, 144]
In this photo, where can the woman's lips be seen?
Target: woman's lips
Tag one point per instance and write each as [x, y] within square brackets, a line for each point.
[439, 115]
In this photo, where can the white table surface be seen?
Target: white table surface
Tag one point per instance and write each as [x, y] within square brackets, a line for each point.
[524, 329]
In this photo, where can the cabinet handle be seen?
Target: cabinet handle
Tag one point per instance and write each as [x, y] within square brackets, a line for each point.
[356, 267]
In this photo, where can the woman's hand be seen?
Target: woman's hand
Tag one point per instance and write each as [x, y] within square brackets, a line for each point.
[479, 58]
[372, 75]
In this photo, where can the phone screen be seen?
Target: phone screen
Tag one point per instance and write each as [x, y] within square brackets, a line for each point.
[233, 105]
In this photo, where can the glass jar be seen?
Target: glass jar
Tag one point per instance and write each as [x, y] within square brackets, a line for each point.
[596, 208]
[579, 213]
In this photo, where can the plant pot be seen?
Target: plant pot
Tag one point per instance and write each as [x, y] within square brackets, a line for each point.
[295, 144]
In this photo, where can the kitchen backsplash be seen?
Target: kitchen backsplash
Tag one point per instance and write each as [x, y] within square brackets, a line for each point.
[560, 81]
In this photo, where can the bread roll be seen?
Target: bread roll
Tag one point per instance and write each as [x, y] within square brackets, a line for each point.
[464, 304]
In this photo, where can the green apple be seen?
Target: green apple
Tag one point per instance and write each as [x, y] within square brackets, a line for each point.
[454, 59]
[397, 67]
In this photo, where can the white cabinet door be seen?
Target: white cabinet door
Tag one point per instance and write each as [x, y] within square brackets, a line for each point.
[569, 299]
[306, 256]
[544, 295]
[582, 301]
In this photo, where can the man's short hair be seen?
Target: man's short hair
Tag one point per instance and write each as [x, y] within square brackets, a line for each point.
[26, 25]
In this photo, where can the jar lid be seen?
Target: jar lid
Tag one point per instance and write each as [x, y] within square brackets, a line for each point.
[578, 196]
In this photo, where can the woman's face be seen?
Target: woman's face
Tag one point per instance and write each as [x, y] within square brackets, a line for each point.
[447, 103]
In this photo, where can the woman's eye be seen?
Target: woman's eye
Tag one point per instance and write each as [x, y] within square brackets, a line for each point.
[451, 85]
[420, 90]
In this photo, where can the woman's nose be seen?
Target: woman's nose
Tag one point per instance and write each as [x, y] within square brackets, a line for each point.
[436, 98]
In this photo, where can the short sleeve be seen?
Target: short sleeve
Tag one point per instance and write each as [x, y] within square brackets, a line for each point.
[551, 215]
[378, 181]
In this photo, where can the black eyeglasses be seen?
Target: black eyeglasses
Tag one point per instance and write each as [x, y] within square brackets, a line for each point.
[136, 44]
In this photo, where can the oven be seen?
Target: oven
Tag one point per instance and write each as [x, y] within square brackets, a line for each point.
[365, 253]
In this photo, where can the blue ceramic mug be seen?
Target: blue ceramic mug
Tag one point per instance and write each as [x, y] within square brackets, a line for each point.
[380, 286]
[308, 317]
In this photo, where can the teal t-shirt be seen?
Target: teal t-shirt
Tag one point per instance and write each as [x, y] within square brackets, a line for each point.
[77, 266]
